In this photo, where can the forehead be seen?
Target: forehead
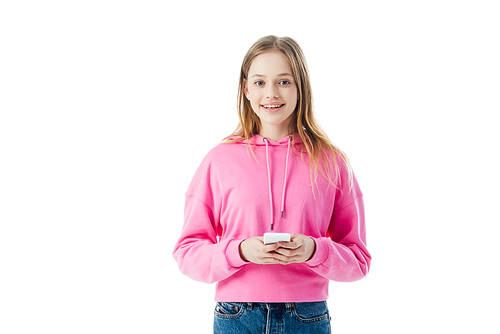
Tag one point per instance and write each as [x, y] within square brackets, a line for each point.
[270, 64]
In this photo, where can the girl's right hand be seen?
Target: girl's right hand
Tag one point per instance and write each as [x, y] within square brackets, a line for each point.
[254, 250]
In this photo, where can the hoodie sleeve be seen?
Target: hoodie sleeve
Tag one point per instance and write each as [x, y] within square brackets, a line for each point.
[197, 252]
[342, 255]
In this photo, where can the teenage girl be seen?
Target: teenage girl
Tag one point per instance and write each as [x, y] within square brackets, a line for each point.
[278, 172]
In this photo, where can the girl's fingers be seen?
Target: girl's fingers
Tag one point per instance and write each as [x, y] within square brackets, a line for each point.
[268, 260]
[287, 260]
[289, 252]
[270, 248]
[289, 245]
[284, 258]
[296, 242]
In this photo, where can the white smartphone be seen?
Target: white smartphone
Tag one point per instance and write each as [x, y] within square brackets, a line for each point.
[271, 238]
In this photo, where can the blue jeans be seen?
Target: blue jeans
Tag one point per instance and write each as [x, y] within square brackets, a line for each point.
[267, 318]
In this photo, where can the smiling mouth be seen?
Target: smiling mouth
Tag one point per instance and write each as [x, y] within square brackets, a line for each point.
[272, 107]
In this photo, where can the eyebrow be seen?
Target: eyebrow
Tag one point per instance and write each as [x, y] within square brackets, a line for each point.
[279, 75]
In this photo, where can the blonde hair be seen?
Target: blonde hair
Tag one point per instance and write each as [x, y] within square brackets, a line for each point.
[314, 139]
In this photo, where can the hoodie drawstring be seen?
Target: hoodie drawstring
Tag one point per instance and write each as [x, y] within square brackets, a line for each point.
[286, 172]
[269, 180]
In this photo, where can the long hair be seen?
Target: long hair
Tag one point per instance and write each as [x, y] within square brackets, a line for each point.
[314, 140]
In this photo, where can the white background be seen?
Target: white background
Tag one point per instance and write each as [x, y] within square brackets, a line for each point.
[108, 107]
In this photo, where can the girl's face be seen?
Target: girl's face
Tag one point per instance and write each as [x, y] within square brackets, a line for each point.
[272, 92]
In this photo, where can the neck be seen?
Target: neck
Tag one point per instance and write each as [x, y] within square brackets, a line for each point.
[275, 134]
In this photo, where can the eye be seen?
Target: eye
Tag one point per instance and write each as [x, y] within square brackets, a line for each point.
[284, 82]
[259, 83]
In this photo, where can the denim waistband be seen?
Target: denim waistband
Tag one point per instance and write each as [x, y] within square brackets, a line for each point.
[287, 306]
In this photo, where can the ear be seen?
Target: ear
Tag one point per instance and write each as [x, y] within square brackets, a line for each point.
[245, 89]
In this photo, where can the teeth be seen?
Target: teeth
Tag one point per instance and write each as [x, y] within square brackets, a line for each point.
[270, 106]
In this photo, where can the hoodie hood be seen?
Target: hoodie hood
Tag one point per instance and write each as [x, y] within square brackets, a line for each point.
[258, 140]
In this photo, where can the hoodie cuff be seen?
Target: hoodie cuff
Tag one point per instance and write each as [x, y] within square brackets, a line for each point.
[233, 254]
[321, 253]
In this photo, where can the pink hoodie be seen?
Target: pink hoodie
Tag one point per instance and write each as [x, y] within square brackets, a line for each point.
[233, 197]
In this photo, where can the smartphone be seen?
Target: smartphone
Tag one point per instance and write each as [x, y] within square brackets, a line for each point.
[271, 238]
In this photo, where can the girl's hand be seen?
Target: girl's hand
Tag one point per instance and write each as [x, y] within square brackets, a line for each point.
[300, 249]
[254, 250]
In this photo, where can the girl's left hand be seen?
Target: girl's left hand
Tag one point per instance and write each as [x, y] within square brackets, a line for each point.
[300, 249]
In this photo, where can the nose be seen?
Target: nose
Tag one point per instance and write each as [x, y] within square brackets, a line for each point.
[272, 92]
